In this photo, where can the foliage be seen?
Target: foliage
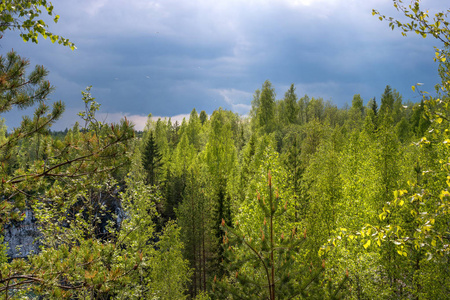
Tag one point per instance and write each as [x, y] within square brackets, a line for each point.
[65, 178]
[420, 22]
[169, 272]
[266, 263]
[426, 199]
[25, 16]
[263, 106]
[411, 230]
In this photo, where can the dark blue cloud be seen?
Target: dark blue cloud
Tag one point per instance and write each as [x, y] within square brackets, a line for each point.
[167, 57]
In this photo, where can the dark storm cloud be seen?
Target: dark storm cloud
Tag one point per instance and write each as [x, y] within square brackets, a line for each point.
[167, 57]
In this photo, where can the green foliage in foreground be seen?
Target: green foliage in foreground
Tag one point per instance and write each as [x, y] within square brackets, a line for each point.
[25, 16]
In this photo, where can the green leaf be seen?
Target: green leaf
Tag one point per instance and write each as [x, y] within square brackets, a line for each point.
[367, 244]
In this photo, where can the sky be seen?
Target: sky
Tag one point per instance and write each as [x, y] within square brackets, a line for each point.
[166, 57]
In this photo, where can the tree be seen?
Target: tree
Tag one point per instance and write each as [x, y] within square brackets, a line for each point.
[303, 103]
[263, 106]
[255, 106]
[62, 190]
[356, 112]
[156, 265]
[161, 133]
[295, 168]
[419, 120]
[177, 172]
[323, 187]
[220, 152]
[194, 129]
[220, 159]
[20, 91]
[151, 159]
[359, 176]
[412, 228]
[372, 112]
[203, 117]
[290, 104]
[197, 226]
[430, 195]
[169, 272]
[315, 110]
[387, 102]
[266, 262]
[63, 185]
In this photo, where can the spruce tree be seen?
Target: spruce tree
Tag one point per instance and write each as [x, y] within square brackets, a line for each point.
[387, 103]
[290, 105]
[203, 117]
[151, 159]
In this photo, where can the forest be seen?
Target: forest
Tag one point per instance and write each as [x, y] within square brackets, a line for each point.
[301, 199]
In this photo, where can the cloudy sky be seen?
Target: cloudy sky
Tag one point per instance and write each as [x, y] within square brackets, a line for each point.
[167, 57]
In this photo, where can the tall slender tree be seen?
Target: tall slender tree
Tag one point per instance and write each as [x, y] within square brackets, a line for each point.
[151, 159]
[290, 105]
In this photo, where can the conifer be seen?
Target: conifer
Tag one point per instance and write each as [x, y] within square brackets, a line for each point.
[151, 159]
[268, 266]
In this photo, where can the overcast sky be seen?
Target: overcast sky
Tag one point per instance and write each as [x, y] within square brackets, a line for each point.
[167, 57]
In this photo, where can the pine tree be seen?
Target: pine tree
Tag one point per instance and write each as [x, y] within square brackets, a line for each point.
[266, 264]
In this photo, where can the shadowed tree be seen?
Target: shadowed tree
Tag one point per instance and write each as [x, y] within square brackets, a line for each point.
[151, 159]
[203, 117]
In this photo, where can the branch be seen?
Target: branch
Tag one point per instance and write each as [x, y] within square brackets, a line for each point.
[32, 279]
[254, 250]
[22, 178]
